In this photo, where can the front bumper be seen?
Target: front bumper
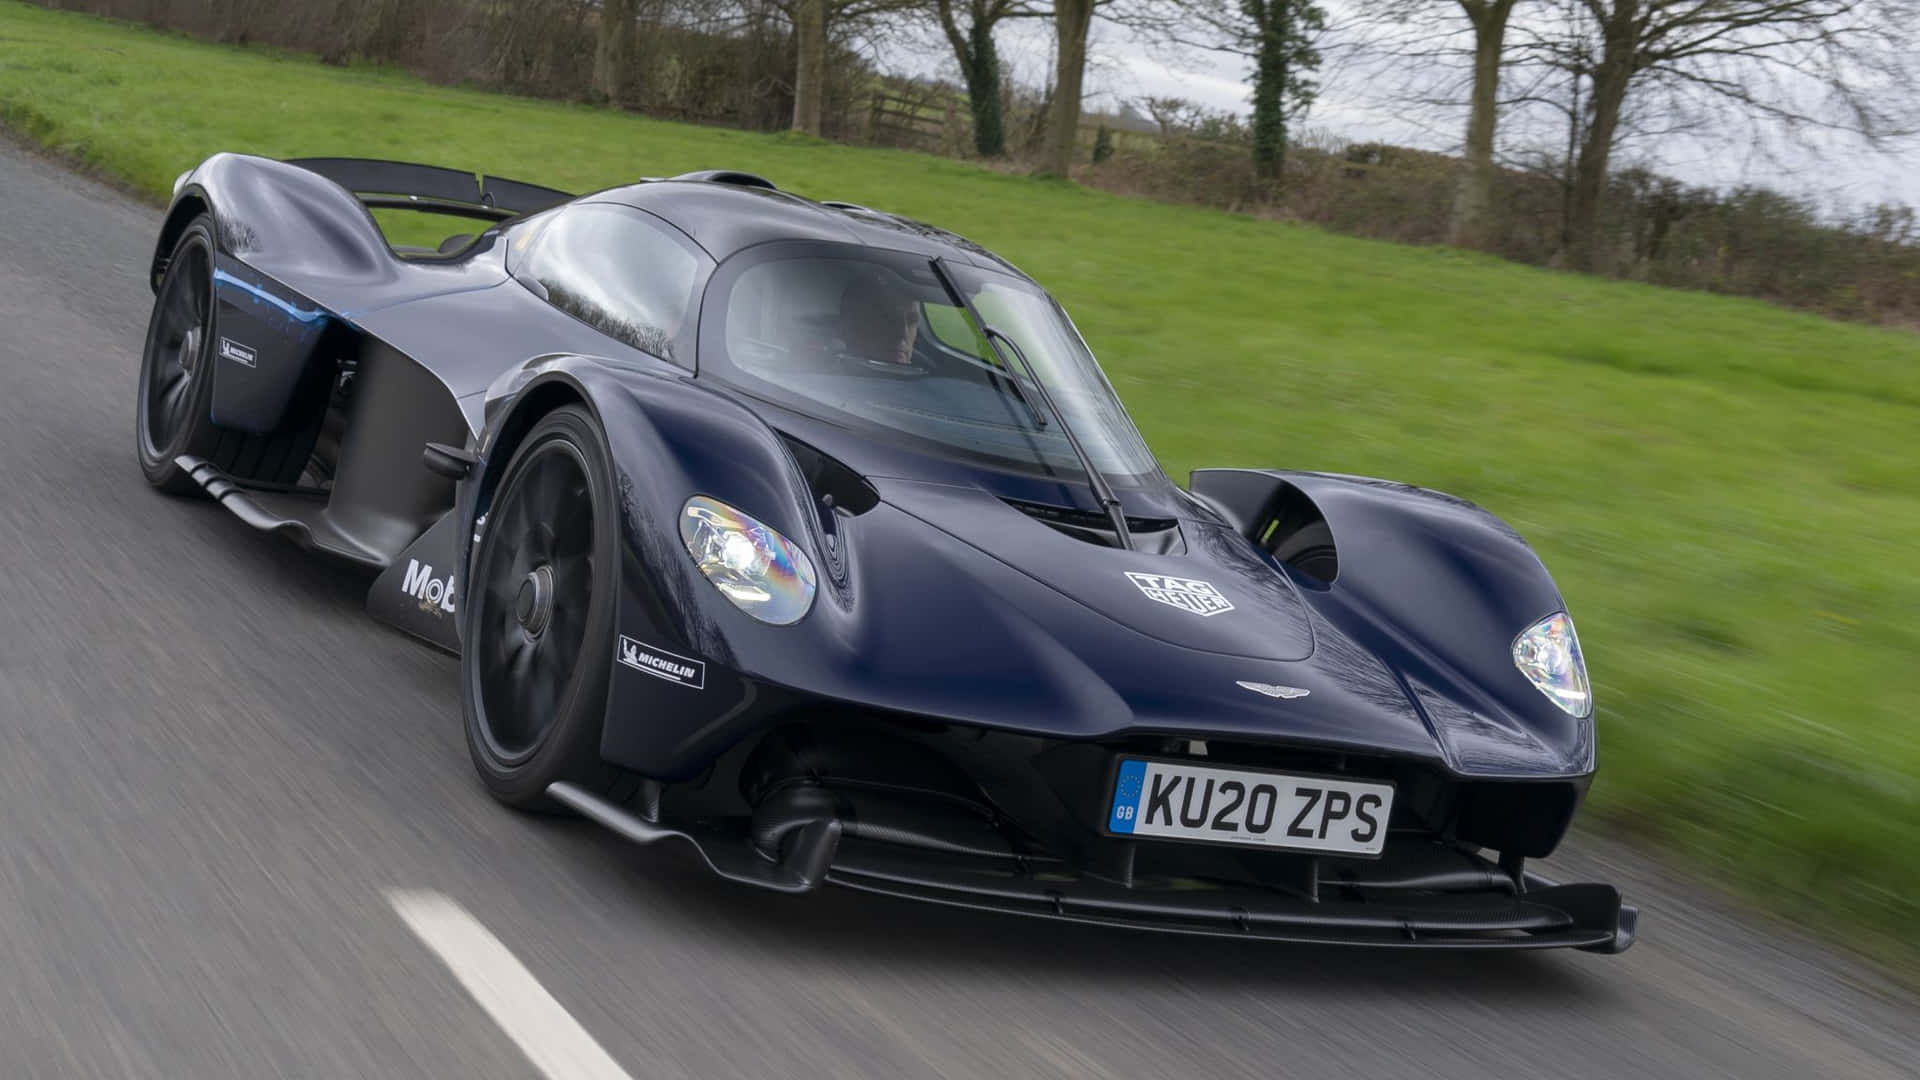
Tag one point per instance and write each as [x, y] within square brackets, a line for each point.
[1473, 906]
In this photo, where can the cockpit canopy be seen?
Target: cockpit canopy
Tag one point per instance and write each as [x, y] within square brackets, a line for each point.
[876, 340]
[944, 354]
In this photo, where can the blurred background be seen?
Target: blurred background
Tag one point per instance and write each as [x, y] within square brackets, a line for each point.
[1640, 276]
[1753, 147]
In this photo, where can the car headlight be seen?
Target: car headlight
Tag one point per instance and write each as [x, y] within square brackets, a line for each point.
[1548, 654]
[763, 573]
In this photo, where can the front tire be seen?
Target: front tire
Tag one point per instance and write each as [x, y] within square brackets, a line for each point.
[537, 648]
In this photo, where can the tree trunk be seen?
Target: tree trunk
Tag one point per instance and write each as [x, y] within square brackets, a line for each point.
[1609, 92]
[810, 42]
[982, 68]
[613, 80]
[1574, 116]
[1270, 86]
[1473, 198]
[1071, 19]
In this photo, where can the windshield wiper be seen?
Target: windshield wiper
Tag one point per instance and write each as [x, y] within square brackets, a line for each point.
[1013, 377]
[1102, 491]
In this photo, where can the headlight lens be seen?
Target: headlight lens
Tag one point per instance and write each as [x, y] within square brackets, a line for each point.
[763, 573]
[1548, 654]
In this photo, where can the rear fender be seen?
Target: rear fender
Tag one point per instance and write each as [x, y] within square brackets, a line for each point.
[277, 230]
[283, 220]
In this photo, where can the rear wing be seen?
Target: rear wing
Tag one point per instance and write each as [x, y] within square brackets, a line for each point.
[399, 185]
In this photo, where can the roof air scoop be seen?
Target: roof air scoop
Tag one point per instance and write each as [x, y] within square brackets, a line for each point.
[729, 176]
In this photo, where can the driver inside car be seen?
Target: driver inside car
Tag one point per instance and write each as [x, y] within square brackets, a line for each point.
[878, 320]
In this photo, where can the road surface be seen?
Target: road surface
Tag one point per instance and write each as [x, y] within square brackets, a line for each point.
[239, 836]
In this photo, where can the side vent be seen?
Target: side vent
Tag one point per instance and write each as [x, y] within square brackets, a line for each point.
[1159, 536]
[833, 484]
[838, 493]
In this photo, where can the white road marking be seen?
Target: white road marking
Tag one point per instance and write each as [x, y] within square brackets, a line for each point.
[549, 1035]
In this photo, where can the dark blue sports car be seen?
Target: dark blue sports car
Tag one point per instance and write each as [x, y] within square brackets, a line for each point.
[814, 536]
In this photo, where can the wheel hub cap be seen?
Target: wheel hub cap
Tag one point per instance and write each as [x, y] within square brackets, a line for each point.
[534, 605]
[190, 349]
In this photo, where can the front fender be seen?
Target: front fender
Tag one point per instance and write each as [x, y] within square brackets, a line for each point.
[906, 619]
[668, 439]
[1439, 588]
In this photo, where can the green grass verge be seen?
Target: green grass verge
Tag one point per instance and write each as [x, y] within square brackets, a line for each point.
[1729, 493]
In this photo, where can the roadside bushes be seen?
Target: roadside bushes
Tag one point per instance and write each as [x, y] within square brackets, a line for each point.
[1748, 241]
[713, 61]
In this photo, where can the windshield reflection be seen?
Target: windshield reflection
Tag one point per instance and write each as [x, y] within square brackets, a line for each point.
[873, 339]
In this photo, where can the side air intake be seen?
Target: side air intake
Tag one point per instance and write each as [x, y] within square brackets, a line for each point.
[729, 176]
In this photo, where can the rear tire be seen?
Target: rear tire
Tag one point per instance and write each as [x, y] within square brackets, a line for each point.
[174, 414]
[537, 649]
[176, 367]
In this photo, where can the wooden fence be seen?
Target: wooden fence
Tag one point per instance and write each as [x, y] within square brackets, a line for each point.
[929, 122]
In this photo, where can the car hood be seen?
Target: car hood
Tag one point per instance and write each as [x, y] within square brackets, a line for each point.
[943, 600]
[948, 604]
[1217, 595]
[959, 605]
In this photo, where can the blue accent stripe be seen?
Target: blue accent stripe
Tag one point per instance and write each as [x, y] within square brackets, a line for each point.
[297, 314]
[1127, 793]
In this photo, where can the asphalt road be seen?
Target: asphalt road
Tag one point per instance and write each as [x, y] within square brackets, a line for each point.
[214, 770]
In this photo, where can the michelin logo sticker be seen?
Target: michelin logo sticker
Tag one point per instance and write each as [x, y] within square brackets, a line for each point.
[238, 353]
[662, 664]
[435, 594]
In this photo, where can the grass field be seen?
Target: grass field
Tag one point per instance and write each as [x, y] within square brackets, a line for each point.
[1729, 493]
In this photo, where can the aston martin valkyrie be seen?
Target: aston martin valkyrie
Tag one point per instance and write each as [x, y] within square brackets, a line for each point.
[814, 537]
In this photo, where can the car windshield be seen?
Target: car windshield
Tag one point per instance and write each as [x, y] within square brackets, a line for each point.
[874, 339]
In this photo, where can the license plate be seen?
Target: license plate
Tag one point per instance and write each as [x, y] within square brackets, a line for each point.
[1182, 801]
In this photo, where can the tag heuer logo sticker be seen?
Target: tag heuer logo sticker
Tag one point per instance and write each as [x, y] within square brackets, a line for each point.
[662, 664]
[238, 353]
[1187, 594]
[1272, 691]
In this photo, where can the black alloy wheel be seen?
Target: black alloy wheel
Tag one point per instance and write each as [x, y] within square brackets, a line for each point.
[175, 368]
[538, 645]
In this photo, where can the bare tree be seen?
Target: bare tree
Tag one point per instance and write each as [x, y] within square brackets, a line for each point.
[1072, 22]
[810, 68]
[1159, 20]
[1165, 112]
[614, 70]
[1421, 43]
[1833, 65]
[973, 46]
[815, 24]
[1473, 198]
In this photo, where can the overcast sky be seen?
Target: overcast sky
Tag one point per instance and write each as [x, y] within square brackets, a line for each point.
[1352, 107]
